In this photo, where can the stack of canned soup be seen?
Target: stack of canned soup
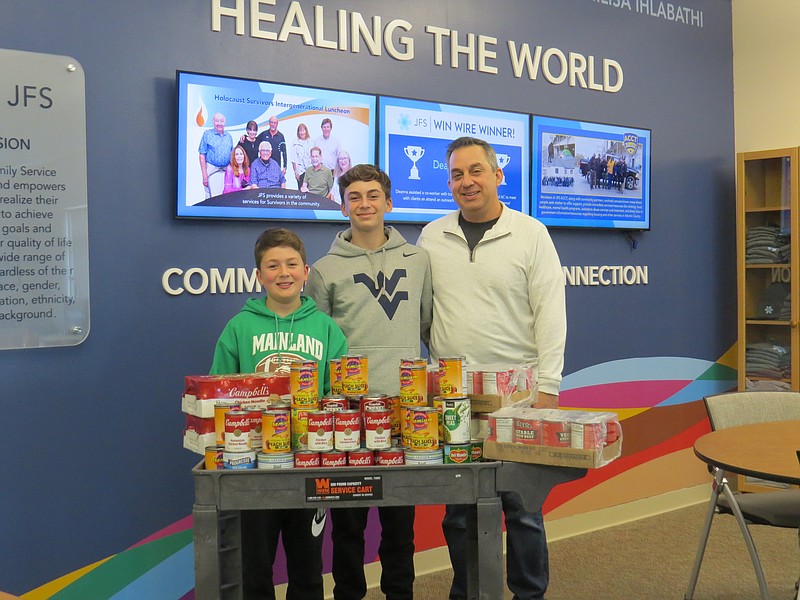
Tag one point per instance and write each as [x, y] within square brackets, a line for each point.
[350, 427]
[553, 427]
[453, 412]
[490, 387]
[203, 392]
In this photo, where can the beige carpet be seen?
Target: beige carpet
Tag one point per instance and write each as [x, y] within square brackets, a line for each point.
[651, 559]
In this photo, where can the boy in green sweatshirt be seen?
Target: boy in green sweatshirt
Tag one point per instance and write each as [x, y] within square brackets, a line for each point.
[266, 336]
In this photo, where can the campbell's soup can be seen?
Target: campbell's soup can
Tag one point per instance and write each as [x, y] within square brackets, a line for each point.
[213, 456]
[237, 431]
[589, 436]
[256, 429]
[333, 458]
[556, 433]
[355, 374]
[476, 450]
[370, 401]
[304, 384]
[422, 430]
[335, 368]
[456, 416]
[239, 460]
[390, 457]
[347, 430]
[377, 427]
[451, 376]
[220, 408]
[334, 403]
[527, 430]
[414, 384]
[320, 430]
[305, 459]
[457, 454]
[276, 431]
[373, 401]
[278, 460]
[299, 428]
[363, 457]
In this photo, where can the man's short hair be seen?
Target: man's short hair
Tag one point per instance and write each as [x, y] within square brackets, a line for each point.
[278, 237]
[326, 120]
[465, 142]
[265, 144]
[317, 148]
[364, 172]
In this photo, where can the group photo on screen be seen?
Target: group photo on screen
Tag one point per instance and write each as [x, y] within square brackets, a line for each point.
[248, 147]
[590, 174]
[590, 166]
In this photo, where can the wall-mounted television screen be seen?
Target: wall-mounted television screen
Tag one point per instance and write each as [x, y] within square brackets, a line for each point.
[590, 174]
[413, 140]
[252, 149]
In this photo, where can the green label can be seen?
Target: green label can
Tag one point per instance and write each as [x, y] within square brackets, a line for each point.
[456, 420]
[457, 454]
[476, 449]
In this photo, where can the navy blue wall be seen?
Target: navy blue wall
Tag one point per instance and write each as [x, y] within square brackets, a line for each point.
[103, 467]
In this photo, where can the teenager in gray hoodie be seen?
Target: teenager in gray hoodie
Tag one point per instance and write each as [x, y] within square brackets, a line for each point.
[377, 287]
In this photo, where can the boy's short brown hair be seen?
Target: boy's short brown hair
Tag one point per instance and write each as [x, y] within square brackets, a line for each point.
[275, 237]
[365, 172]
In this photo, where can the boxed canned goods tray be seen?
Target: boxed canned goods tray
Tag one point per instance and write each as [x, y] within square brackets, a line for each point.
[488, 403]
[491, 387]
[202, 392]
[553, 437]
[547, 455]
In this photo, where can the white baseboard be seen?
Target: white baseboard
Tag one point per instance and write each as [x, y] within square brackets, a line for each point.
[437, 559]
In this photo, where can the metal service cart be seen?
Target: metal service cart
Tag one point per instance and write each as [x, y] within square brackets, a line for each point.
[221, 495]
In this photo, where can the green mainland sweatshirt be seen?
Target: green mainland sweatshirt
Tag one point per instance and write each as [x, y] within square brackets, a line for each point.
[257, 340]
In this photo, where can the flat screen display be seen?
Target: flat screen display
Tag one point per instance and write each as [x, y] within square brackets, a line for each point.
[225, 173]
[414, 136]
[590, 175]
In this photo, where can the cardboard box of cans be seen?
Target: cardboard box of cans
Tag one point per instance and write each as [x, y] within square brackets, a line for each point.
[256, 390]
[553, 437]
[488, 403]
[491, 387]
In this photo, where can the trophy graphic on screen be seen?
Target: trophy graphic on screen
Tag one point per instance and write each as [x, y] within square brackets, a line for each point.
[414, 153]
[502, 162]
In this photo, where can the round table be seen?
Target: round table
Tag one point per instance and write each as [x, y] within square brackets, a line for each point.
[763, 450]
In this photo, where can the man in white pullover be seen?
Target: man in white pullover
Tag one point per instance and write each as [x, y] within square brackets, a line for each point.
[498, 297]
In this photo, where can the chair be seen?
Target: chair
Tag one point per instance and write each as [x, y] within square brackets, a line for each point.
[778, 508]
